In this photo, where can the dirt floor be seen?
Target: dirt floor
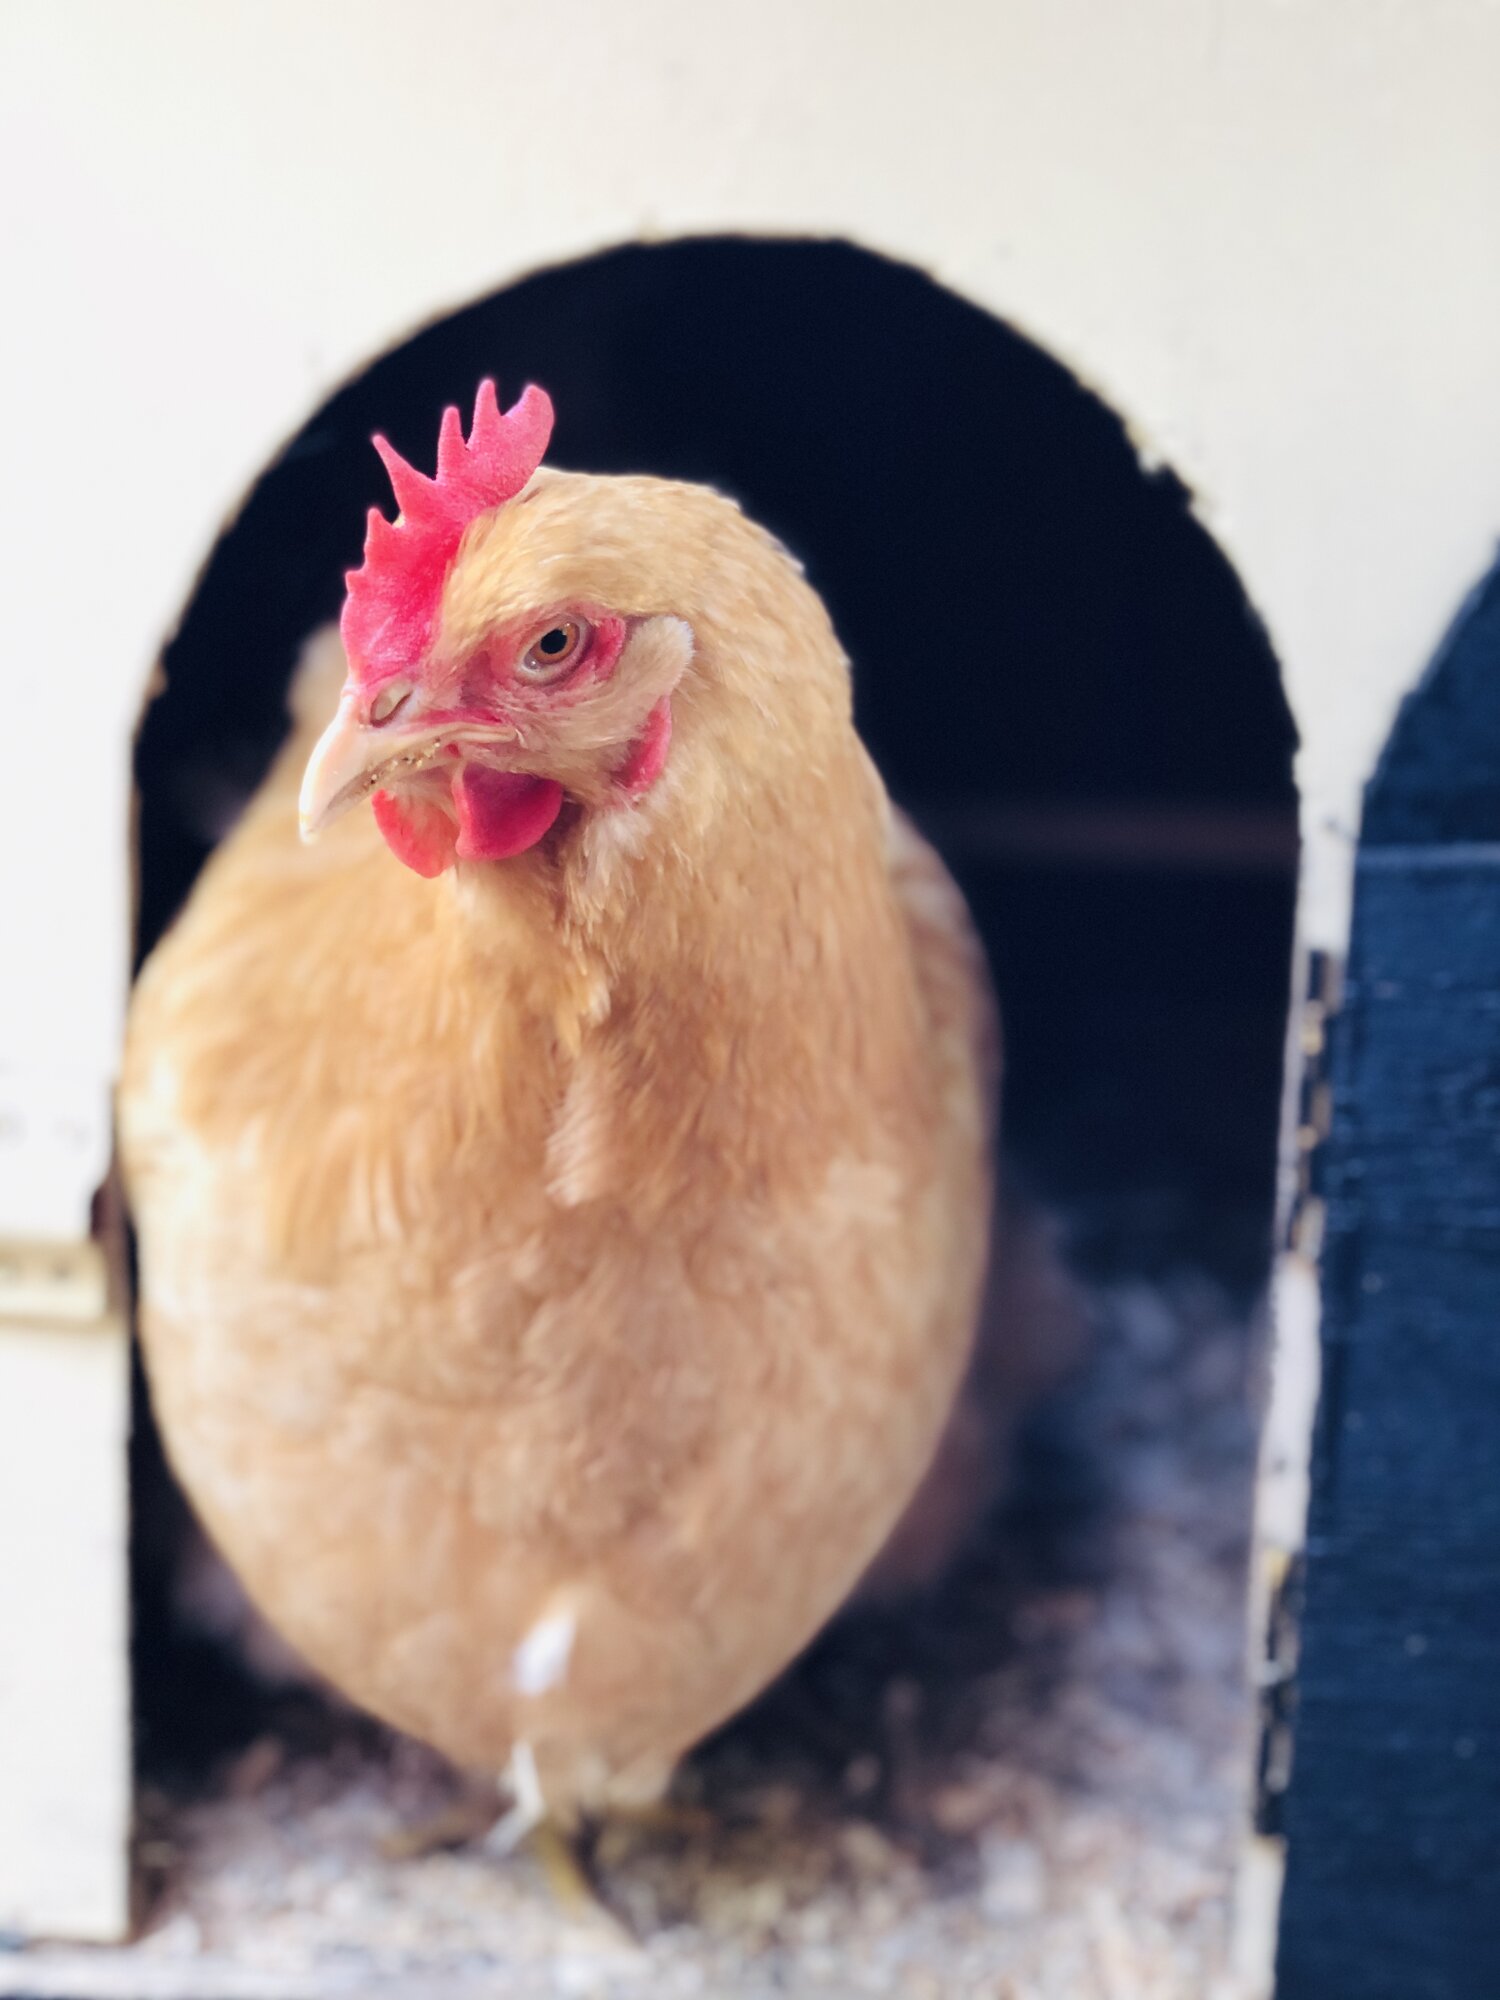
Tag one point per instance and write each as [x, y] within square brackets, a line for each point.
[1030, 1790]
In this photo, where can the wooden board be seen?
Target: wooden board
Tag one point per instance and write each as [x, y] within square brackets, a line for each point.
[1393, 1818]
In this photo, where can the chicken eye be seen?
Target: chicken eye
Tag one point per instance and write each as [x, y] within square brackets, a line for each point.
[553, 650]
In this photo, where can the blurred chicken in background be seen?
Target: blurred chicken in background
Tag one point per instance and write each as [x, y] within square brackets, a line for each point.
[561, 1254]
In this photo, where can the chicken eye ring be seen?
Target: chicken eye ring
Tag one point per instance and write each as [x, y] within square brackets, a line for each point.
[555, 649]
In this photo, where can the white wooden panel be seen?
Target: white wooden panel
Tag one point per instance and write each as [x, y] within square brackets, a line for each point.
[64, 1700]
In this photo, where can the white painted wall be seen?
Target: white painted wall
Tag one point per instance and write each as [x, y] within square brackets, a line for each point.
[1269, 232]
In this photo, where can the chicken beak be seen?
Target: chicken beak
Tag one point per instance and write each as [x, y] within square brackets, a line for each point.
[348, 762]
[335, 774]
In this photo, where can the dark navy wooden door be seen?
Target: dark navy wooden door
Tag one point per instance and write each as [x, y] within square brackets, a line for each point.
[1393, 1819]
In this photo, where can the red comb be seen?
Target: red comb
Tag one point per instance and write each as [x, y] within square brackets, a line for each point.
[393, 598]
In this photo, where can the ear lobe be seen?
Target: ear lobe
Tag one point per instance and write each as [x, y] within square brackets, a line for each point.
[648, 754]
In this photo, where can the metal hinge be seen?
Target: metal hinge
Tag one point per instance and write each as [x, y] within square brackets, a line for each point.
[1305, 1218]
[1276, 1690]
[66, 1285]
[1286, 1445]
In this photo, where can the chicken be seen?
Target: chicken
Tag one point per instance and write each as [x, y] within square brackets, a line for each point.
[560, 1254]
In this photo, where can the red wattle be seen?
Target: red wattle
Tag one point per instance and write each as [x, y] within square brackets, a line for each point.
[501, 813]
[416, 832]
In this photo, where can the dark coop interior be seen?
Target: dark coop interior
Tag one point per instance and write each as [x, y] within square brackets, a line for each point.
[1060, 676]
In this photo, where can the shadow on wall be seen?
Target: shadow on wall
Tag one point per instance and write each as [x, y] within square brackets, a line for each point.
[1055, 667]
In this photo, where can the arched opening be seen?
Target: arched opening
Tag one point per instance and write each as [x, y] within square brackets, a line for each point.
[1060, 675]
[1056, 668]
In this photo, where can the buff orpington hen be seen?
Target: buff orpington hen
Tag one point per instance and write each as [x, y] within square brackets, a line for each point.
[562, 1170]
